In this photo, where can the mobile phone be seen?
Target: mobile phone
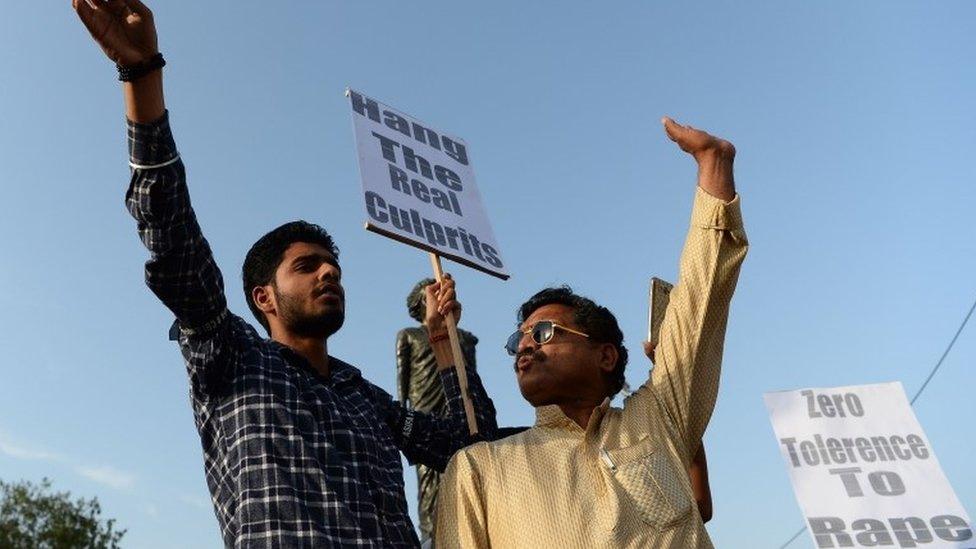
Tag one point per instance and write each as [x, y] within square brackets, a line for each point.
[658, 298]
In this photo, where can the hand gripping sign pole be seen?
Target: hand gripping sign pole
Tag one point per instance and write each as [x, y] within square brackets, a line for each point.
[419, 189]
[459, 364]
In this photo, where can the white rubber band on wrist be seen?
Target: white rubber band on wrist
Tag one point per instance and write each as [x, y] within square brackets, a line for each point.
[153, 166]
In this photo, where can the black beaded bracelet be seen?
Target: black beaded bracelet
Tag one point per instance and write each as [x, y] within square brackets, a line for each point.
[135, 72]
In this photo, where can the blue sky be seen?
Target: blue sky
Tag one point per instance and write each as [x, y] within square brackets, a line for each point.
[854, 123]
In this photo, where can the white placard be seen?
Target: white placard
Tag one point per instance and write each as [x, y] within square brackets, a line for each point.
[419, 186]
[863, 471]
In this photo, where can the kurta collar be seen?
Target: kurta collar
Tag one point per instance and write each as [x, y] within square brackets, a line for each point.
[552, 416]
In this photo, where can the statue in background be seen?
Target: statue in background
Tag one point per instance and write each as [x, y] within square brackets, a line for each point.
[419, 388]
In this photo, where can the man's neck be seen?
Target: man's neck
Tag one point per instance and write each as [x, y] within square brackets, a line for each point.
[579, 412]
[314, 350]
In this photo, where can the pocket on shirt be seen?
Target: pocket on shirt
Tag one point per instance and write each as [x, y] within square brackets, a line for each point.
[650, 483]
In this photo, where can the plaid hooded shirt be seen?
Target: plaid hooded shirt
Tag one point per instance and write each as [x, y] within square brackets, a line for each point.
[292, 459]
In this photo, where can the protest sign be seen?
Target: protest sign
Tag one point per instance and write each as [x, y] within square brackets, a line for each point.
[419, 186]
[419, 189]
[863, 471]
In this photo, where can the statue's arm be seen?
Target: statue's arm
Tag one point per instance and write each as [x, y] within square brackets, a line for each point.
[404, 356]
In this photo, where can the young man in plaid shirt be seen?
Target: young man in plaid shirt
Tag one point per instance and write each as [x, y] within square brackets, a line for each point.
[299, 449]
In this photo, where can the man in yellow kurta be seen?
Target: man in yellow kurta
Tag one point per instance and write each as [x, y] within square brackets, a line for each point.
[588, 475]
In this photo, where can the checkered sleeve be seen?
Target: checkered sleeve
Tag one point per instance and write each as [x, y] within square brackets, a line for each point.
[430, 439]
[181, 270]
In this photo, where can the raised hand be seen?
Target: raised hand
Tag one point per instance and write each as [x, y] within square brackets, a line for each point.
[713, 154]
[123, 28]
[441, 299]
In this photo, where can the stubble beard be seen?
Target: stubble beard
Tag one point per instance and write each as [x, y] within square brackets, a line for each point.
[302, 324]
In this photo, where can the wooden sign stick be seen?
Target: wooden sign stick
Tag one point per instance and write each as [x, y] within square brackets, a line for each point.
[452, 333]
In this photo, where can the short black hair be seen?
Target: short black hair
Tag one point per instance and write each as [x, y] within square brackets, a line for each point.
[265, 255]
[417, 300]
[597, 321]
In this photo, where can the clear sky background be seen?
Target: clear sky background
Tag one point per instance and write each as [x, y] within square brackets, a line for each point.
[854, 123]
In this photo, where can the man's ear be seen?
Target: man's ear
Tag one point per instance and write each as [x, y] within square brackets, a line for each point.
[264, 298]
[608, 357]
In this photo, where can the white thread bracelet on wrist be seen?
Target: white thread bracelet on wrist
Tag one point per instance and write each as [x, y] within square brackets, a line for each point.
[153, 166]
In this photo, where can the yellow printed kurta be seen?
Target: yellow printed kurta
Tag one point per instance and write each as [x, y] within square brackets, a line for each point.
[622, 481]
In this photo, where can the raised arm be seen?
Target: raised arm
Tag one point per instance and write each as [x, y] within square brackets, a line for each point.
[689, 356]
[698, 470]
[181, 270]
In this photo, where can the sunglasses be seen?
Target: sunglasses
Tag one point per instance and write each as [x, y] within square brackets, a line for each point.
[542, 333]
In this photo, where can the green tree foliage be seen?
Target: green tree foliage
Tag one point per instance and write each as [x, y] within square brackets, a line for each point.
[34, 517]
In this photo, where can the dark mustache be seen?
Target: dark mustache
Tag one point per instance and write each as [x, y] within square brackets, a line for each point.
[536, 354]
